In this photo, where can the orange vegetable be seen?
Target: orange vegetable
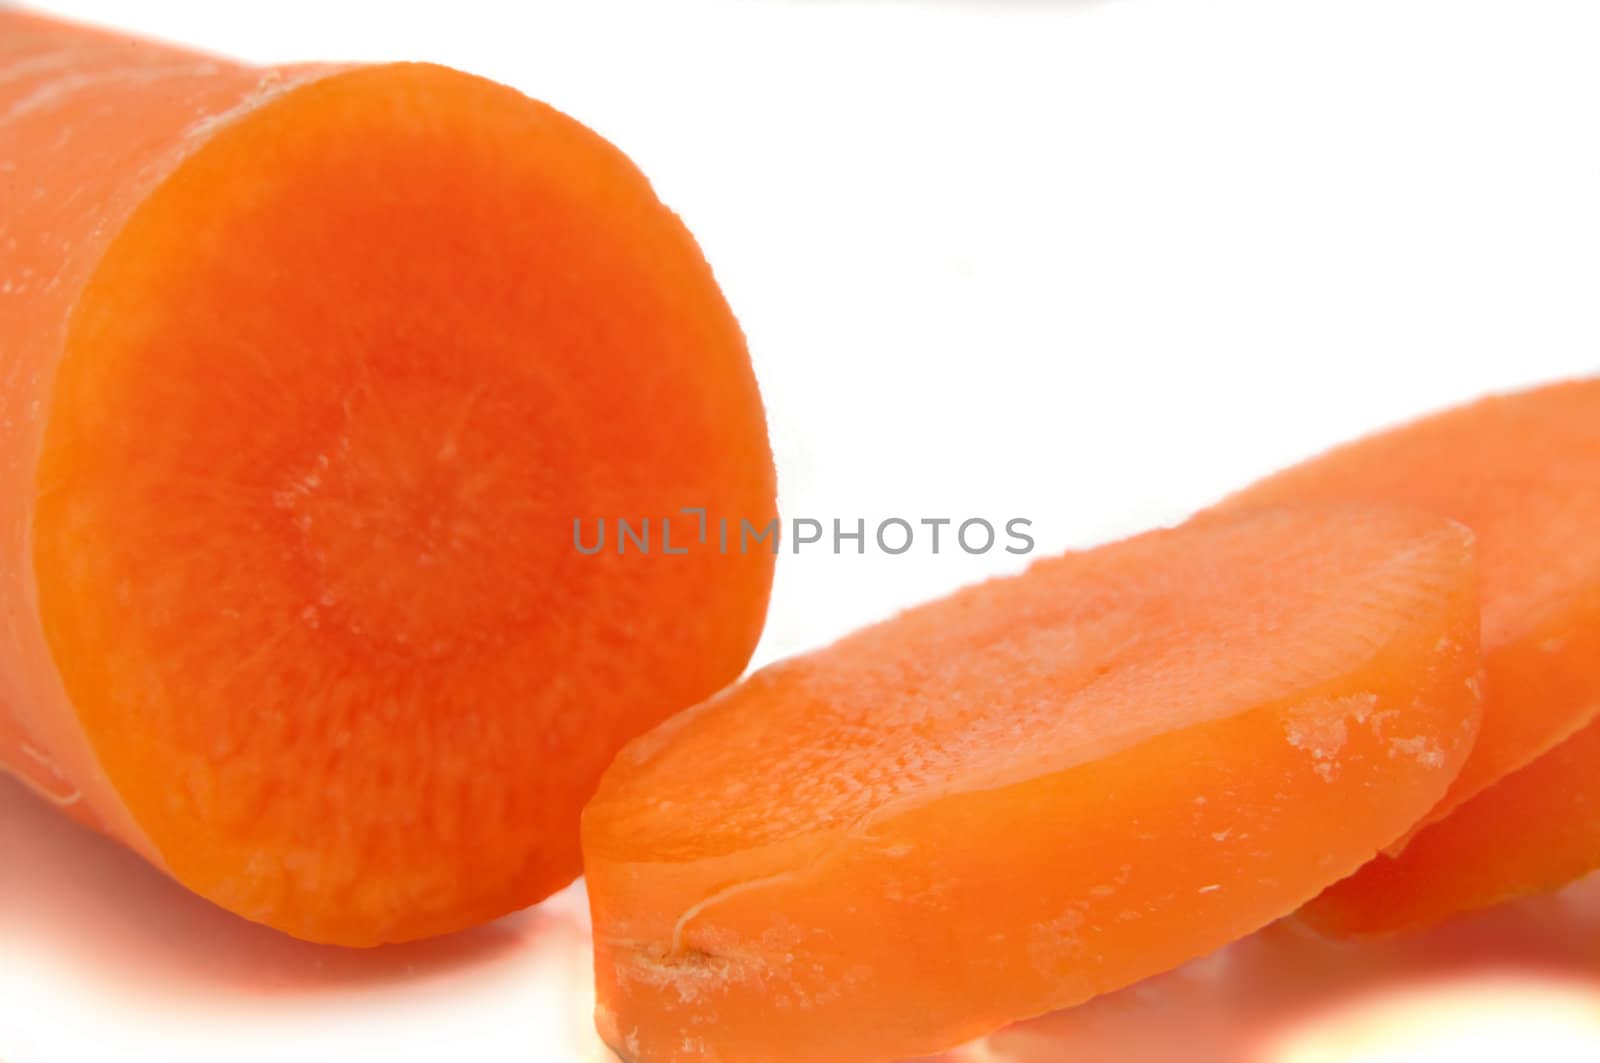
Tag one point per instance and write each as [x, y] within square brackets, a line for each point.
[307, 373]
[1285, 993]
[1535, 830]
[1521, 471]
[1031, 792]
[1524, 472]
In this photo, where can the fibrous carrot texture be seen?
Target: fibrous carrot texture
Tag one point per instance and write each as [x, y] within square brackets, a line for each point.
[307, 374]
[1034, 791]
[1523, 471]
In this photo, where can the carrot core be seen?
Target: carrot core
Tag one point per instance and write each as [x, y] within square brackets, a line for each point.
[401, 520]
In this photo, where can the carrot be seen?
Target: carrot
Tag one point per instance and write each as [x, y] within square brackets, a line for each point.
[308, 372]
[1531, 832]
[1520, 470]
[1283, 988]
[1031, 792]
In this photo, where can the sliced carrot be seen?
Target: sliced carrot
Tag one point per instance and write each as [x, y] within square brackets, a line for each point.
[309, 372]
[1285, 988]
[1523, 471]
[1535, 830]
[1031, 792]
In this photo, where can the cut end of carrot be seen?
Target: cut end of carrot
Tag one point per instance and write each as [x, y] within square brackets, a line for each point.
[400, 522]
[1171, 741]
[304, 538]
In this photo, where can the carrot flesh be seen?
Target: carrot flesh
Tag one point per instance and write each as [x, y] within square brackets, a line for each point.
[1286, 985]
[1531, 832]
[62, 208]
[1034, 791]
[1522, 471]
[310, 371]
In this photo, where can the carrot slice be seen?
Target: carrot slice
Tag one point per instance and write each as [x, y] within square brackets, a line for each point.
[1034, 791]
[309, 372]
[1523, 471]
[1535, 830]
[1286, 986]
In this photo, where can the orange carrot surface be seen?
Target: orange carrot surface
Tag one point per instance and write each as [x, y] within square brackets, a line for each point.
[308, 372]
[1533, 831]
[1286, 993]
[1523, 471]
[1031, 792]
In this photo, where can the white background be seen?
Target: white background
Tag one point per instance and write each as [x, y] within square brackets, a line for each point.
[1089, 263]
